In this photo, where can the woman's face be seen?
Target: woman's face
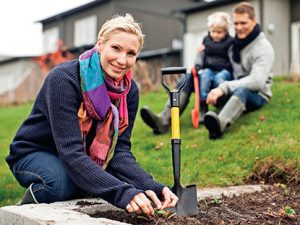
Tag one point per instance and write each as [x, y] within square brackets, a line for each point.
[118, 54]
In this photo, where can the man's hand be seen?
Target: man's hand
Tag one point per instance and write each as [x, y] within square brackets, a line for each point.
[201, 48]
[213, 96]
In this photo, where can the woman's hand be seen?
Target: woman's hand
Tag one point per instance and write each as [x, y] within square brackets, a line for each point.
[142, 203]
[169, 198]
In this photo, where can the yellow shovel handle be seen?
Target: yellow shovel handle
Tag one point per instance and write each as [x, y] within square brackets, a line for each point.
[175, 122]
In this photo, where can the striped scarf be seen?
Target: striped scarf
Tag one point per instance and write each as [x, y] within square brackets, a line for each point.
[103, 102]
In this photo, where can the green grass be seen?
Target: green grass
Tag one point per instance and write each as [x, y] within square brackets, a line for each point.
[272, 132]
[10, 120]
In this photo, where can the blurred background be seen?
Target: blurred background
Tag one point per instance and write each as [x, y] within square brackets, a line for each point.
[37, 35]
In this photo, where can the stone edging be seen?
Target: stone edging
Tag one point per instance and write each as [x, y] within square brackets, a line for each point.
[77, 212]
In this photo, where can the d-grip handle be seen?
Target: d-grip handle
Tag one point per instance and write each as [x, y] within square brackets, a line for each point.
[173, 70]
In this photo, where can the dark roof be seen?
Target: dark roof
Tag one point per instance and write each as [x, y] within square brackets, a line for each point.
[203, 5]
[72, 11]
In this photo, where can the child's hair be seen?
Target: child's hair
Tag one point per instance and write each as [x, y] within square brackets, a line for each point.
[245, 7]
[219, 19]
[121, 23]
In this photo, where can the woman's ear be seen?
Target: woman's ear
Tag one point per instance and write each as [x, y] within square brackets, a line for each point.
[98, 45]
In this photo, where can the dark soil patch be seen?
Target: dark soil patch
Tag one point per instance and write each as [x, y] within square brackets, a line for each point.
[266, 207]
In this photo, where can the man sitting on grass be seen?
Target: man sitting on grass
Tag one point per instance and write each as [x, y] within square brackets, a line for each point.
[252, 58]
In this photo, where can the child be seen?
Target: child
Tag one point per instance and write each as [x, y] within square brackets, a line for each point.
[214, 62]
[213, 59]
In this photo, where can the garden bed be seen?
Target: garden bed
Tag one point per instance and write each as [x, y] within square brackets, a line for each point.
[277, 204]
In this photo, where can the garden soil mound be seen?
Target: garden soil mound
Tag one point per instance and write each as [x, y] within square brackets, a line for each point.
[276, 204]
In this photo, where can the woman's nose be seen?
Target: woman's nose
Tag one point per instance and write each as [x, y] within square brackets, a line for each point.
[122, 58]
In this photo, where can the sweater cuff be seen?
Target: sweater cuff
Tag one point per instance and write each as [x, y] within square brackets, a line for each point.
[127, 197]
[156, 187]
[224, 87]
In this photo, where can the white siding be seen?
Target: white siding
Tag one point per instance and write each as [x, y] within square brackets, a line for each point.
[12, 74]
[85, 31]
[277, 14]
[50, 38]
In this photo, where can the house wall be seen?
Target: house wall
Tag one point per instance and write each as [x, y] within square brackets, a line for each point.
[276, 19]
[20, 81]
[267, 12]
[66, 25]
[295, 37]
[158, 21]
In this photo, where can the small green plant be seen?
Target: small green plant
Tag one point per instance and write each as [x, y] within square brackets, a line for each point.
[283, 187]
[158, 215]
[217, 201]
[164, 213]
[289, 211]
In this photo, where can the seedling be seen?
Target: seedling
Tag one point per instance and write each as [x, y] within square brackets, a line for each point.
[158, 213]
[283, 187]
[217, 201]
[289, 211]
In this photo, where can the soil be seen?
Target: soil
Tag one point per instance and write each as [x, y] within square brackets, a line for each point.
[266, 207]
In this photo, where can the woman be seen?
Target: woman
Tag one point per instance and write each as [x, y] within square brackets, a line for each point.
[76, 140]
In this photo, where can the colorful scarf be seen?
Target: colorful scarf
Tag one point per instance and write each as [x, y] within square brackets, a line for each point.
[104, 102]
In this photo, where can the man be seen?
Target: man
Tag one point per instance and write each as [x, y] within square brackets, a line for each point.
[252, 58]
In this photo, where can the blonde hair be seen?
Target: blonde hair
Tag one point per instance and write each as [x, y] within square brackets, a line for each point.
[219, 19]
[121, 23]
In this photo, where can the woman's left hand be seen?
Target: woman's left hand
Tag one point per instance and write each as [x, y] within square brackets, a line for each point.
[169, 198]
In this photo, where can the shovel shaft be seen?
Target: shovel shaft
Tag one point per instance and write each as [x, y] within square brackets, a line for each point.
[176, 162]
[175, 123]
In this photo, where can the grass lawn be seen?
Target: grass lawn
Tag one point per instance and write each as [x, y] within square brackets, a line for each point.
[268, 135]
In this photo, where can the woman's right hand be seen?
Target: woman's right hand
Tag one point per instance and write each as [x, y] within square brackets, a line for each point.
[142, 204]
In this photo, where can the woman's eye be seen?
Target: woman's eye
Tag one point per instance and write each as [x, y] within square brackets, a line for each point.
[132, 53]
[115, 47]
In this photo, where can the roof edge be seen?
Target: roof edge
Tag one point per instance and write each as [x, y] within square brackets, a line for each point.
[71, 11]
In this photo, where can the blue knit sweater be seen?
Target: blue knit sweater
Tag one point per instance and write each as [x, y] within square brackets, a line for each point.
[53, 126]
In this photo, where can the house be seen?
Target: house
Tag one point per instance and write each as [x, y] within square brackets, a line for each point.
[78, 28]
[173, 28]
[20, 80]
[279, 19]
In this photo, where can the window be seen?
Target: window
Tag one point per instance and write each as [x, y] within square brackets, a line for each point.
[295, 61]
[85, 31]
[50, 38]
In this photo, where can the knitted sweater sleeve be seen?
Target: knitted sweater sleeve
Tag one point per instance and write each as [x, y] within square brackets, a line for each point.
[63, 97]
[123, 165]
[260, 59]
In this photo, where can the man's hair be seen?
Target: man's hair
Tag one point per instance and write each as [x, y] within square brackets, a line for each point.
[245, 7]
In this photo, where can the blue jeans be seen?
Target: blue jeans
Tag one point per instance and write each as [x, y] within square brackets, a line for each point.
[48, 176]
[210, 79]
[251, 99]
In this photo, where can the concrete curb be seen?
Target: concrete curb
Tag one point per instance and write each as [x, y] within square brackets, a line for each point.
[77, 212]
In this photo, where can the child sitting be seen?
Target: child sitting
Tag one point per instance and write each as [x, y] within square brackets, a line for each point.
[213, 57]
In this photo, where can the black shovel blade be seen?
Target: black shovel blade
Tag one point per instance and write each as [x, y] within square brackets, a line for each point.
[187, 203]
